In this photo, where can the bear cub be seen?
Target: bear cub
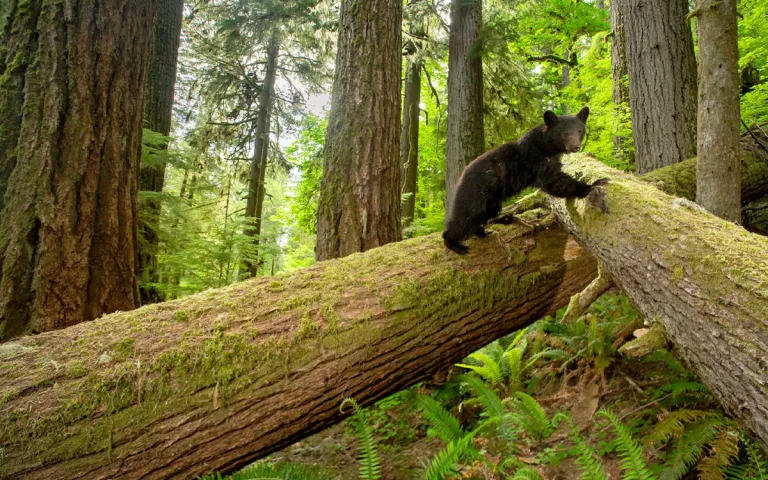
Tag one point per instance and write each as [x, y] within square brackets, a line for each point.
[496, 175]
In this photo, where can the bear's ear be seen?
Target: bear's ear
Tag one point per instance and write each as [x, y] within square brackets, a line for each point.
[550, 119]
[583, 114]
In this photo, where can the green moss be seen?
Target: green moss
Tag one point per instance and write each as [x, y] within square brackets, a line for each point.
[677, 273]
[180, 316]
[75, 369]
[122, 349]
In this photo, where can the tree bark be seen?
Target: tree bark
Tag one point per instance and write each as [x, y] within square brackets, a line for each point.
[465, 138]
[219, 379]
[622, 148]
[359, 205]
[259, 161]
[719, 175]
[702, 278]
[409, 138]
[662, 81]
[158, 110]
[68, 226]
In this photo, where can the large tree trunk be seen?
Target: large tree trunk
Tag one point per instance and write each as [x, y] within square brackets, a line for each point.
[719, 175]
[259, 160]
[409, 137]
[360, 191]
[702, 278]
[662, 81]
[216, 380]
[68, 227]
[158, 110]
[465, 135]
[621, 145]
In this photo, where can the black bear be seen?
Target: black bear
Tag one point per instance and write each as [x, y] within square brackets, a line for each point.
[496, 175]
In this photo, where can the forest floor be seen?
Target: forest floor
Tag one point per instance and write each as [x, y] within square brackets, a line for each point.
[556, 401]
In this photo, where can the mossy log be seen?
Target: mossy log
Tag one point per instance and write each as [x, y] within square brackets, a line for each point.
[705, 280]
[219, 379]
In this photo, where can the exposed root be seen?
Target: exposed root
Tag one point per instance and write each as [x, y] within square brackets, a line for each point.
[581, 301]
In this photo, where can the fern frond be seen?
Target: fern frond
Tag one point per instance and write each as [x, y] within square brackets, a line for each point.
[527, 473]
[590, 465]
[533, 417]
[689, 449]
[492, 404]
[513, 360]
[756, 467]
[672, 425]
[489, 369]
[440, 420]
[631, 458]
[278, 471]
[368, 454]
[446, 459]
[724, 450]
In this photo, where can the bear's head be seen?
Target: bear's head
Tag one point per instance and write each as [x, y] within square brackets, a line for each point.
[564, 134]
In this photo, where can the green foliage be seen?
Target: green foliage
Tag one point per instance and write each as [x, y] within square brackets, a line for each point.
[531, 417]
[590, 465]
[440, 420]
[445, 461]
[633, 464]
[279, 471]
[368, 454]
[527, 473]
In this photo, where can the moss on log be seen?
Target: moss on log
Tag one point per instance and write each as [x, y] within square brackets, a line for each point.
[680, 179]
[218, 379]
[703, 279]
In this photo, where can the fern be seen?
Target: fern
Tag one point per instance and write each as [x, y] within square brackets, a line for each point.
[440, 420]
[446, 459]
[368, 456]
[689, 449]
[590, 465]
[527, 473]
[280, 471]
[532, 417]
[630, 454]
[724, 450]
[755, 468]
[493, 408]
[672, 425]
[488, 369]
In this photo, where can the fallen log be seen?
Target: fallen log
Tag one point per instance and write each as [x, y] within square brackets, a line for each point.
[703, 279]
[219, 379]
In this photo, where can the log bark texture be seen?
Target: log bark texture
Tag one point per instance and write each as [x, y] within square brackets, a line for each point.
[68, 234]
[219, 379]
[359, 205]
[702, 278]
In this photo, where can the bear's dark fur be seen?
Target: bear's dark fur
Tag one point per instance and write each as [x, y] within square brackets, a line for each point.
[534, 160]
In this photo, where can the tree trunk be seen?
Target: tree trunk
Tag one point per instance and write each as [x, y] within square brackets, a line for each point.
[702, 278]
[622, 148]
[662, 81]
[219, 379]
[409, 138]
[465, 138]
[258, 163]
[69, 236]
[158, 110]
[719, 175]
[755, 216]
[566, 80]
[17, 51]
[359, 205]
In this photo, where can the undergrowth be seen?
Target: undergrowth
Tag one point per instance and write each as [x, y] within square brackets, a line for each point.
[514, 410]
